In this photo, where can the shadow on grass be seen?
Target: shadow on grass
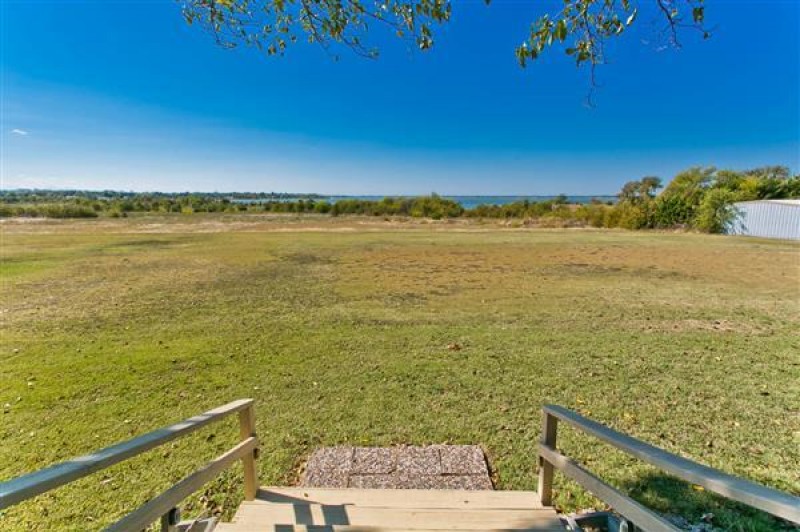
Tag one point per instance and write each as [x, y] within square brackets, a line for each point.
[670, 496]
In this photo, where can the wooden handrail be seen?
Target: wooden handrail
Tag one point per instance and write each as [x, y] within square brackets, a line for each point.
[775, 502]
[33, 484]
[643, 518]
[155, 508]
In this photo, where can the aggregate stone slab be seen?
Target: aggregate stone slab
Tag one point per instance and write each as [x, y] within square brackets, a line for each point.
[381, 481]
[463, 460]
[463, 482]
[329, 467]
[405, 467]
[418, 461]
[374, 460]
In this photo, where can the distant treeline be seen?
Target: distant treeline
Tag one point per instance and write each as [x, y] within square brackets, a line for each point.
[91, 204]
[75, 204]
[698, 198]
[39, 195]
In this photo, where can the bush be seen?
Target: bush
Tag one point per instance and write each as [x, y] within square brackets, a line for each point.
[432, 206]
[671, 211]
[51, 210]
[631, 216]
[593, 214]
[716, 212]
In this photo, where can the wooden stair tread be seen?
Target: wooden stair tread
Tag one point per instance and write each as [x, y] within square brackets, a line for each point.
[373, 510]
[402, 498]
[412, 518]
[250, 527]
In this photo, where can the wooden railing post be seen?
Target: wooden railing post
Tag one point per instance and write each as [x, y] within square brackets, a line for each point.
[549, 431]
[170, 520]
[247, 429]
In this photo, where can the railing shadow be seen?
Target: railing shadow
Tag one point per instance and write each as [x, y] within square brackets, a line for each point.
[675, 498]
[694, 477]
[332, 514]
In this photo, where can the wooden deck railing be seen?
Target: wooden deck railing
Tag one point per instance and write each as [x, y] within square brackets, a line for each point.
[27, 486]
[769, 500]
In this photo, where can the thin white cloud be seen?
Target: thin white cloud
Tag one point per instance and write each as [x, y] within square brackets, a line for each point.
[20, 132]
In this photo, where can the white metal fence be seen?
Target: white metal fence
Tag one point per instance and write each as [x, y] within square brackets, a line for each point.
[768, 219]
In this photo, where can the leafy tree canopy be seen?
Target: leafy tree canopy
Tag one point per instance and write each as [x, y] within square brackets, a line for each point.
[581, 26]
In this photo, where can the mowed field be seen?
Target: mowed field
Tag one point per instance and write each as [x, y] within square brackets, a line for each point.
[348, 332]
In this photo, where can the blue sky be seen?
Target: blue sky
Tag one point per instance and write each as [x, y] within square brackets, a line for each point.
[124, 95]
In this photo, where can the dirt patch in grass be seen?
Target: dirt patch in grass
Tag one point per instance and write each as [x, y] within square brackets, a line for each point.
[144, 243]
[719, 326]
[307, 258]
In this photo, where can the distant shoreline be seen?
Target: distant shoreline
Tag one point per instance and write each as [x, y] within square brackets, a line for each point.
[466, 201]
[245, 197]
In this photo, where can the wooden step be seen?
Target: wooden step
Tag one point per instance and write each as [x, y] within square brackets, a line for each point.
[401, 498]
[234, 527]
[372, 510]
[406, 518]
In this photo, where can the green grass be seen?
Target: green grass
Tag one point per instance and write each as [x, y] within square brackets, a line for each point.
[689, 342]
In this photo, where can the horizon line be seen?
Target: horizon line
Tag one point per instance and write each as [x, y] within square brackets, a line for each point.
[382, 195]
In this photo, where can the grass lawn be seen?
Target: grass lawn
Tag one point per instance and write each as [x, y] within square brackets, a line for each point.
[340, 330]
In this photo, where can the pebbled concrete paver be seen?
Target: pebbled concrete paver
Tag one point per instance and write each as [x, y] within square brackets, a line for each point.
[404, 467]
[329, 467]
[374, 460]
[382, 481]
[419, 461]
[462, 460]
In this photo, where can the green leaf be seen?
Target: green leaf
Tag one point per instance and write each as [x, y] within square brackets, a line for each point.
[561, 30]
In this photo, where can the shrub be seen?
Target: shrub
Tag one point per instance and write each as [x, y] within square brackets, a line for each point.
[670, 211]
[629, 216]
[716, 212]
[52, 210]
[593, 214]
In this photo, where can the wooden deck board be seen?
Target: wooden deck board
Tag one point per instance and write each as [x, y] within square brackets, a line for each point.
[399, 498]
[412, 518]
[351, 510]
[247, 527]
[234, 527]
